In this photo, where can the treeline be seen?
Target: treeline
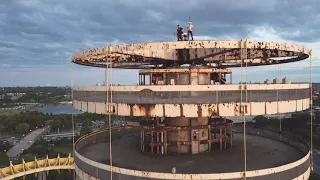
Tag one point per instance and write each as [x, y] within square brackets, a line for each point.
[64, 121]
[298, 124]
[22, 123]
[34, 89]
[45, 95]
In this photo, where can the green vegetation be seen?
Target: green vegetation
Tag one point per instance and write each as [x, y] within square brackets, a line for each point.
[44, 95]
[4, 160]
[52, 148]
[52, 175]
[316, 102]
[314, 176]
[298, 124]
[86, 127]
[21, 123]
[62, 121]
[90, 116]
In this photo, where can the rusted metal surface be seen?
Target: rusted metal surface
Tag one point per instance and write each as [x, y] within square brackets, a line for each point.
[36, 166]
[212, 53]
[297, 169]
[179, 137]
[205, 110]
[191, 97]
[185, 69]
[215, 87]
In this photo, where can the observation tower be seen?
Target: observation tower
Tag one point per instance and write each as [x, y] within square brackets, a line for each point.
[181, 105]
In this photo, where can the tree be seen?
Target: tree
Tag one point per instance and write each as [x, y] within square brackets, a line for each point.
[85, 129]
[261, 121]
[4, 159]
[2, 128]
[55, 124]
[23, 128]
[87, 122]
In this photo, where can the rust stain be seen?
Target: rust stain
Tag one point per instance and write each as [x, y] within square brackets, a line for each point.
[164, 110]
[131, 109]
[199, 110]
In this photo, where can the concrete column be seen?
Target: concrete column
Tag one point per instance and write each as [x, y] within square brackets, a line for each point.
[42, 176]
[186, 135]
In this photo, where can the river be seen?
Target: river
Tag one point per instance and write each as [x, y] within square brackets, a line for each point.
[58, 109]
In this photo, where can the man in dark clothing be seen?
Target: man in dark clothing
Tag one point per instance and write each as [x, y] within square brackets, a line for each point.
[179, 33]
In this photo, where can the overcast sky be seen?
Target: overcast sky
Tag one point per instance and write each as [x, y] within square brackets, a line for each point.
[38, 37]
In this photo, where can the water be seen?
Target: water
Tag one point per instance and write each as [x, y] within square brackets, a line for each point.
[58, 109]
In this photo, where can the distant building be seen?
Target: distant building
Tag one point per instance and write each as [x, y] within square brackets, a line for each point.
[286, 80]
[267, 81]
[15, 96]
[276, 81]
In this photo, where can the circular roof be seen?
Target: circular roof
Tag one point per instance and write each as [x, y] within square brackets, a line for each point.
[209, 53]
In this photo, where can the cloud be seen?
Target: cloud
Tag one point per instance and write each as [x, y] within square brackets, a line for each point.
[37, 36]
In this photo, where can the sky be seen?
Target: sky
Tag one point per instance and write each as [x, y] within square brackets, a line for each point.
[38, 37]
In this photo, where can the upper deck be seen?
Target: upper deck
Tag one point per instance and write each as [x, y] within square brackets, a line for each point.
[211, 53]
[193, 100]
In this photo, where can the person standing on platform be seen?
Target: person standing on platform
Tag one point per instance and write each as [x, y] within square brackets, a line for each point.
[190, 26]
[179, 33]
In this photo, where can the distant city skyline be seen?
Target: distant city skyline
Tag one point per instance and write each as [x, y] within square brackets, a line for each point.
[39, 37]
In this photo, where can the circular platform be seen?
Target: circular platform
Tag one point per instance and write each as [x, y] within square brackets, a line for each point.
[269, 156]
[210, 53]
[262, 153]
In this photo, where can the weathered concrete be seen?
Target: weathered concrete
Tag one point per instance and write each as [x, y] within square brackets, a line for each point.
[215, 53]
[262, 153]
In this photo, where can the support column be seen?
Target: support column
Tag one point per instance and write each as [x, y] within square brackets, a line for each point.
[220, 138]
[150, 78]
[178, 141]
[231, 134]
[158, 147]
[162, 142]
[178, 79]
[42, 176]
[209, 138]
[225, 133]
[165, 142]
[142, 139]
[151, 141]
[225, 136]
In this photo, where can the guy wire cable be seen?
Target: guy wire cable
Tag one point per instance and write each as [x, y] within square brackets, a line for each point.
[244, 112]
[109, 108]
[72, 101]
[311, 112]
[278, 76]
[72, 112]
[111, 111]
[241, 57]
